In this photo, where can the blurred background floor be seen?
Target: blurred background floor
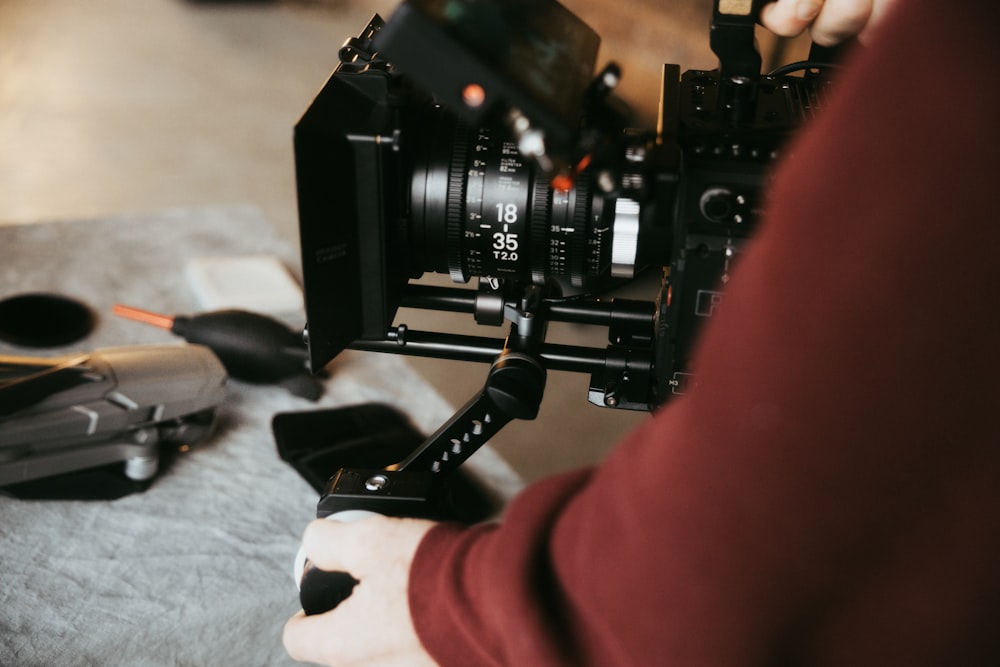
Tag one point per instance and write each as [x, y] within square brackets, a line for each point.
[128, 106]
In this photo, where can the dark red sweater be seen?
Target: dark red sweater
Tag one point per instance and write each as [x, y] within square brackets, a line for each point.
[830, 493]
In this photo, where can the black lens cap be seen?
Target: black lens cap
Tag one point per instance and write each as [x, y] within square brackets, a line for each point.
[44, 320]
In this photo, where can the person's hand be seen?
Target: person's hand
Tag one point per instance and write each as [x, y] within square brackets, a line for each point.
[373, 626]
[828, 21]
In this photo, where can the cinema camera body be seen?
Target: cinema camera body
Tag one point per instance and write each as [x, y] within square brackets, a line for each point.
[473, 138]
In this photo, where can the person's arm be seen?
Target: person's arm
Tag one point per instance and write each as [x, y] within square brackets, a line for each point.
[827, 494]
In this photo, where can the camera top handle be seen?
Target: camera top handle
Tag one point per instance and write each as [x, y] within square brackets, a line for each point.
[732, 38]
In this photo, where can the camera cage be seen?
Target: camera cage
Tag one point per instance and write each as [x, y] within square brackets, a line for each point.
[684, 197]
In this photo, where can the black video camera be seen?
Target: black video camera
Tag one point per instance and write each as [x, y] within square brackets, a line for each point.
[472, 138]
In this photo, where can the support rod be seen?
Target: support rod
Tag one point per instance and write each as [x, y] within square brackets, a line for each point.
[457, 347]
[600, 312]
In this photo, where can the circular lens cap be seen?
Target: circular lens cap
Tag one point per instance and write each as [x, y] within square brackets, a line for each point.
[43, 320]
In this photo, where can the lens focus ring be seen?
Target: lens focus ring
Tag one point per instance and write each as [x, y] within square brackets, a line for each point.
[455, 209]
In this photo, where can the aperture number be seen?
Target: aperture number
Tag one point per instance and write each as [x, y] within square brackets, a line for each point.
[505, 246]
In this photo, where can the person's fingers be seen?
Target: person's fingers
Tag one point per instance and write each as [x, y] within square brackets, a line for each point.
[829, 21]
[363, 546]
[345, 636]
[372, 628]
[840, 20]
[879, 9]
[329, 545]
[303, 638]
[789, 18]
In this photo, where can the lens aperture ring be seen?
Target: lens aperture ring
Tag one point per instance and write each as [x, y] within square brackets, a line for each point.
[541, 199]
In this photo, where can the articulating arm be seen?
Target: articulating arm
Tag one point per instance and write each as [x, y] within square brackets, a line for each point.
[513, 390]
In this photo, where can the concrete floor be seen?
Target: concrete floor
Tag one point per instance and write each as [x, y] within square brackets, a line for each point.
[118, 106]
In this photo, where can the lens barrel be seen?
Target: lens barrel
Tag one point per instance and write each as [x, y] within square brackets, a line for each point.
[480, 208]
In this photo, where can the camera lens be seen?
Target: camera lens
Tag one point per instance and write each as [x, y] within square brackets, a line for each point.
[480, 208]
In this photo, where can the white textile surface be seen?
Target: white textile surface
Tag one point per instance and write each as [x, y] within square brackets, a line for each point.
[197, 570]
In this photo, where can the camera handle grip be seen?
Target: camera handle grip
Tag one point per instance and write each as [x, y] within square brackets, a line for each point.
[732, 38]
[323, 590]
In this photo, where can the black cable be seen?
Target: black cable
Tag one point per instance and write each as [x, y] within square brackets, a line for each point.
[801, 66]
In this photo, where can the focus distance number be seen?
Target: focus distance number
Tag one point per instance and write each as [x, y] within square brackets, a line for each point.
[505, 243]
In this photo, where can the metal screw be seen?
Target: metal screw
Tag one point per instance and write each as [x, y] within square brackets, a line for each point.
[376, 482]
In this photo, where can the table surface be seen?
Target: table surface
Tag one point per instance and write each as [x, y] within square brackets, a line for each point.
[197, 569]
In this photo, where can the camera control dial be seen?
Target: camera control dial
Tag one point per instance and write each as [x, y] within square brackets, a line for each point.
[720, 204]
[625, 243]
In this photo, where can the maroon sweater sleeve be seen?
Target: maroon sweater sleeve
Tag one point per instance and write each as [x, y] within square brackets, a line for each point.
[830, 492]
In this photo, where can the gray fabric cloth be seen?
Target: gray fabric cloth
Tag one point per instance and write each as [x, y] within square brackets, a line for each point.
[198, 569]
